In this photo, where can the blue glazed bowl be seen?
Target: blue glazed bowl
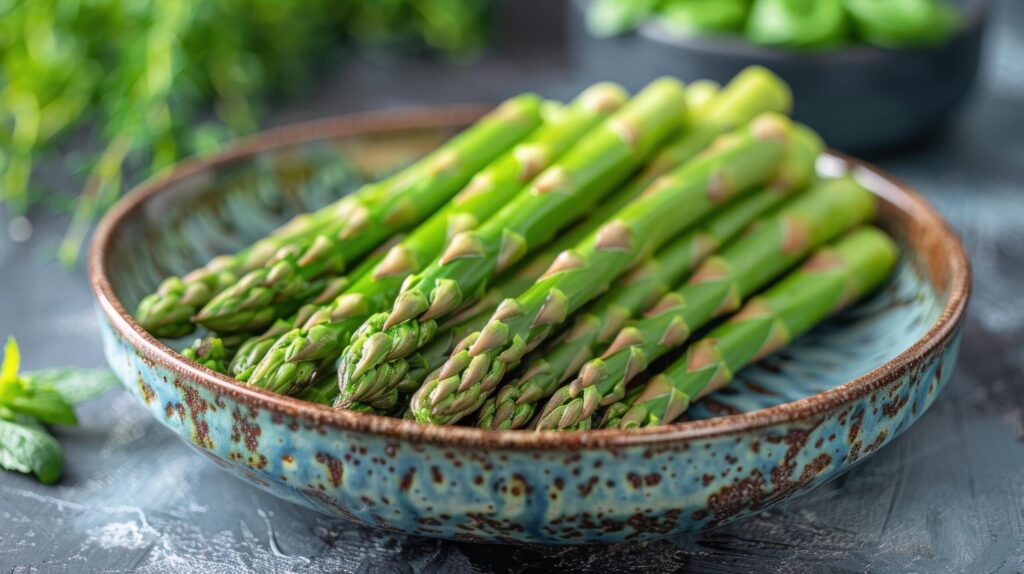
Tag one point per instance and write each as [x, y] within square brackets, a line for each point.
[788, 424]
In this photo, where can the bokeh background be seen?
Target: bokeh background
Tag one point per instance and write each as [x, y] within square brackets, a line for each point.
[96, 95]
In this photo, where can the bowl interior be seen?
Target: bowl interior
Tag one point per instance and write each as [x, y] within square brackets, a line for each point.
[206, 209]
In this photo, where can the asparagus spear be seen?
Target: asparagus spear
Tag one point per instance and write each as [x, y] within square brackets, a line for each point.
[266, 293]
[408, 376]
[699, 95]
[771, 247]
[753, 91]
[512, 283]
[393, 381]
[475, 315]
[834, 277]
[322, 336]
[168, 311]
[560, 195]
[254, 348]
[515, 403]
[736, 164]
[612, 416]
[210, 353]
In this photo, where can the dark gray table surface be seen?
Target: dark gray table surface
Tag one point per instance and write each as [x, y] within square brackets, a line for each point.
[947, 496]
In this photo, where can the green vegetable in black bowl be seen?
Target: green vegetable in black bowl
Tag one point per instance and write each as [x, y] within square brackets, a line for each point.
[795, 24]
[613, 17]
[802, 24]
[705, 16]
[896, 23]
[869, 75]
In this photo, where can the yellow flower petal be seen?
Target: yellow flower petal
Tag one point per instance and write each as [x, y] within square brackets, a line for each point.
[12, 362]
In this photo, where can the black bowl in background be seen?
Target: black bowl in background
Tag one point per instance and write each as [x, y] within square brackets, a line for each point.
[860, 99]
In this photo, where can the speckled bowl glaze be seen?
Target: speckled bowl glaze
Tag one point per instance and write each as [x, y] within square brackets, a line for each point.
[790, 423]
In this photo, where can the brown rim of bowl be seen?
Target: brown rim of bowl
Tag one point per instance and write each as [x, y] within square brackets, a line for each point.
[452, 116]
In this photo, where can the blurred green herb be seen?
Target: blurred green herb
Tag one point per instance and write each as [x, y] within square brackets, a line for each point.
[30, 400]
[796, 24]
[134, 76]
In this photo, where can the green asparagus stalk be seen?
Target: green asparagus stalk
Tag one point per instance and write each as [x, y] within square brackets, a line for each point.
[516, 402]
[407, 377]
[327, 329]
[753, 91]
[249, 353]
[267, 293]
[393, 381]
[475, 315]
[739, 162]
[210, 353]
[470, 318]
[322, 391]
[561, 194]
[244, 361]
[168, 311]
[834, 277]
[772, 246]
[699, 96]
[612, 416]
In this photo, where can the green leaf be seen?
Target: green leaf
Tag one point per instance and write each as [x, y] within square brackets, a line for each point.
[75, 385]
[27, 449]
[45, 404]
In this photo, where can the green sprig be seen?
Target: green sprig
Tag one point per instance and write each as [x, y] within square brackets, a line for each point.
[28, 401]
[130, 78]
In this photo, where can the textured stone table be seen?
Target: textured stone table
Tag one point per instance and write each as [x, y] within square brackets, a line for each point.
[947, 496]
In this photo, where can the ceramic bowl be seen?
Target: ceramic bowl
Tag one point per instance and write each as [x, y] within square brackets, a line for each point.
[860, 99]
[789, 424]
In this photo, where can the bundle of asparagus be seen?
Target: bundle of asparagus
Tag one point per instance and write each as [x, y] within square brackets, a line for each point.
[767, 250]
[387, 342]
[321, 336]
[450, 292]
[832, 278]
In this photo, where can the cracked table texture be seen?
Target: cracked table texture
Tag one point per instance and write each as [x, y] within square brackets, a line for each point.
[947, 496]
